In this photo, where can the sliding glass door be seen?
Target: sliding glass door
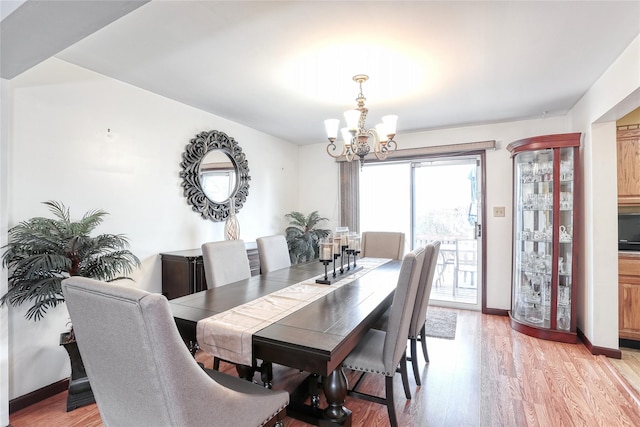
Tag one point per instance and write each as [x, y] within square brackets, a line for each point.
[432, 199]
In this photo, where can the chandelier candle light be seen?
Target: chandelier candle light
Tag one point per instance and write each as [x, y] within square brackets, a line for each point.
[356, 136]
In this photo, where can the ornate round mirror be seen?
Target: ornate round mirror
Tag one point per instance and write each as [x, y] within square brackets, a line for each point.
[215, 172]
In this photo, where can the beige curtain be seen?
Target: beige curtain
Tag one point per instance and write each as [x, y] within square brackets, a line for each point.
[349, 200]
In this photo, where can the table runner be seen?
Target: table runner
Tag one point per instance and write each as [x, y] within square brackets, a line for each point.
[228, 335]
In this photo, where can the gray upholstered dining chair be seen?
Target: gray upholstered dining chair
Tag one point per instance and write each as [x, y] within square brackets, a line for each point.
[382, 244]
[142, 374]
[419, 317]
[384, 352]
[417, 327]
[273, 253]
[225, 262]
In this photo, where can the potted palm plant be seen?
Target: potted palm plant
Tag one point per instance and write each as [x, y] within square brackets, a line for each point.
[303, 236]
[41, 252]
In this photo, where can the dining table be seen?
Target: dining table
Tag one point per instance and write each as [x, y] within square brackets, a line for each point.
[315, 338]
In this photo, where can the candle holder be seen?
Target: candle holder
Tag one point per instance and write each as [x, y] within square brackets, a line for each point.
[352, 248]
[326, 280]
[342, 234]
[349, 252]
[343, 250]
[335, 245]
[355, 268]
[356, 248]
[326, 257]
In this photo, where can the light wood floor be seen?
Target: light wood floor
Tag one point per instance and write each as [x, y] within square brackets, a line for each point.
[488, 376]
[629, 367]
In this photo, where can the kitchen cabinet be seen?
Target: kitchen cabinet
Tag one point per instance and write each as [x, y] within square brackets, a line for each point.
[546, 191]
[628, 152]
[629, 295]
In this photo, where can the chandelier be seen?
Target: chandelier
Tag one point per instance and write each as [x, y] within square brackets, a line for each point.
[356, 136]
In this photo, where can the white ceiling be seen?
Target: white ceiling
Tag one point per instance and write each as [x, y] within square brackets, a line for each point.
[282, 67]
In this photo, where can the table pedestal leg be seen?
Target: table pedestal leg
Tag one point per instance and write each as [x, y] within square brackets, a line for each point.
[335, 390]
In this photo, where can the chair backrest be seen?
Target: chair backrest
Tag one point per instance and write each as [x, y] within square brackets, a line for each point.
[404, 298]
[382, 244]
[140, 370]
[273, 253]
[424, 288]
[225, 262]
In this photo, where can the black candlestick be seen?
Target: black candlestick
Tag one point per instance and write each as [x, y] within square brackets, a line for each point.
[343, 249]
[355, 255]
[349, 252]
[326, 280]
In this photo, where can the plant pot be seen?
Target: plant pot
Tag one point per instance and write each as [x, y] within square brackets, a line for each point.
[80, 393]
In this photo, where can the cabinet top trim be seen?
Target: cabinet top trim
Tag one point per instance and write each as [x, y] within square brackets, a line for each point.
[628, 133]
[545, 141]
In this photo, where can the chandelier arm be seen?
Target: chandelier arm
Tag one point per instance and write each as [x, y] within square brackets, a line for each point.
[333, 147]
[391, 145]
[350, 155]
[382, 154]
[377, 146]
[371, 133]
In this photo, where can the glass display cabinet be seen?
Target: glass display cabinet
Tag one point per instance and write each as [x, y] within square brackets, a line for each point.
[545, 192]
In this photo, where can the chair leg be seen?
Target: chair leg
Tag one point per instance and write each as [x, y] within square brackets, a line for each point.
[414, 359]
[391, 407]
[423, 338]
[216, 363]
[403, 374]
[358, 381]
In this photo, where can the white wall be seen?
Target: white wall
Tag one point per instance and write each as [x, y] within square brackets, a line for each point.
[318, 170]
[58, 150]
[615, 94]
[319, 184]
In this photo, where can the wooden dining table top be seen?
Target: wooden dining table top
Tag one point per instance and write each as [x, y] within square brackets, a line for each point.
[316, 338]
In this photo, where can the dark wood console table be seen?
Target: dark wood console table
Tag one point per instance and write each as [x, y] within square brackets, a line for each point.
[183, 271]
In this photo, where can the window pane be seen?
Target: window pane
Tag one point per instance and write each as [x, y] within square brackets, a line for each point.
[385, 198]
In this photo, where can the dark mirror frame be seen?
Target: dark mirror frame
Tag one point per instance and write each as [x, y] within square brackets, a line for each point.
[194, 153]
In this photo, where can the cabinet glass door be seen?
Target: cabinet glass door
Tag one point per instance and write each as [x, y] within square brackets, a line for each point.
[565, 238]
[533, 251]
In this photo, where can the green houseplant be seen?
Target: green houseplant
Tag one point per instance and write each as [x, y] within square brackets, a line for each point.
[303, 236]
[41, 252]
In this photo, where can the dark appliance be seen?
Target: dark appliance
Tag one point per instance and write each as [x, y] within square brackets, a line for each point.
[629, 232]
